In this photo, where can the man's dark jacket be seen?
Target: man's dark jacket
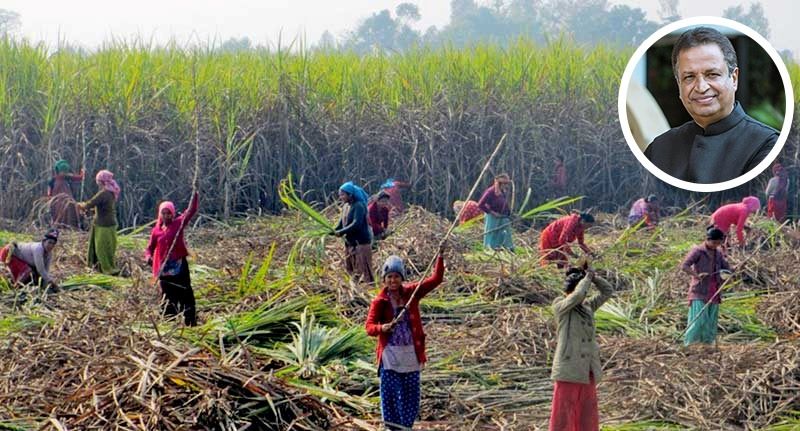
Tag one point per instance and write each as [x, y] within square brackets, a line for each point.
[723, 151]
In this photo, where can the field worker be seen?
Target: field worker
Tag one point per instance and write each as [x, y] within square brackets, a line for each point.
[401, 344]
[576, 363]
[170, 266]
[497, 221]
[735, 214]
[471, 210]
[560, 177]
[103, 233]
[29, 262]
[721, 142]
[394, 189]
[354, 227]
[378, 216]
[61, 191]
[554, 243]
[777, 193]
[644, 208]
[706, 264]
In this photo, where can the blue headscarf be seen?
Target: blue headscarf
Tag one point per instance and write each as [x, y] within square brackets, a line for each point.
[355, 191]
[388, 184]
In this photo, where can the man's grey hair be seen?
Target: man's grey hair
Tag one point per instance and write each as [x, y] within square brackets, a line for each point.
[704, 36]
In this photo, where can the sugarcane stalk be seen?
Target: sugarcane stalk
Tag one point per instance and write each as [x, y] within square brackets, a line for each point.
[195, 175]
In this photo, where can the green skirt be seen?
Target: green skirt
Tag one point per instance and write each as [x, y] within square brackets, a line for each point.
[704, 329]
[497, 232]
[103, 248]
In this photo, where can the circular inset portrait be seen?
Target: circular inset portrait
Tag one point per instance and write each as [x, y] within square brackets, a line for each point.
[705, 104]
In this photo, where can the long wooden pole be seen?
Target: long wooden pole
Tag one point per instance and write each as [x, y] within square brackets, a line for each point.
[450, 229]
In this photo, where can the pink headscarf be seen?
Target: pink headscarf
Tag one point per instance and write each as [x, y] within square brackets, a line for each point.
[105, 179]
[752, 203]
[166, 205]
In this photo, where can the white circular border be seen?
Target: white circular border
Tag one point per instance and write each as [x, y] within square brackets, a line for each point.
[623, 97]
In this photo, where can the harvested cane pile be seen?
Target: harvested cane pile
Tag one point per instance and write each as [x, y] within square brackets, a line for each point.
[96, 367]
[782, 312]
[416, 234]
[492, 368]
[730, 387]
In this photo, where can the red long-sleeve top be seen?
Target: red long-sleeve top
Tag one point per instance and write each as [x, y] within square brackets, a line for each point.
[381, 311]
[161, 237]
[396, 195]
[471, 211]
[561, 232]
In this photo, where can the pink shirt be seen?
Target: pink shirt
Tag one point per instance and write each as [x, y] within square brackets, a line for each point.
[729, 215]
[161, 238]
[638, 209]
[396, 196]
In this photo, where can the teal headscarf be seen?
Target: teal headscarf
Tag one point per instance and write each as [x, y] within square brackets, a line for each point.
[355, 191]
[62, 167]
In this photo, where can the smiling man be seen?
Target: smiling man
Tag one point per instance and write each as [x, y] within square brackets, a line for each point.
[721, 142]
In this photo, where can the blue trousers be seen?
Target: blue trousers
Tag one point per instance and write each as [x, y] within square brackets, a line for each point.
[399, 398]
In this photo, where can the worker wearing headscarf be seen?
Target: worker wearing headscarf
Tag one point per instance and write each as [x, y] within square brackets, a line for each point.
[497, 222]
[166, 252]
[354, 227]
[729, 215]
[103, 233]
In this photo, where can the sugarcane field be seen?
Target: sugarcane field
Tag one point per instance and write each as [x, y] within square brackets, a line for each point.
[467, 230]
[281, 345]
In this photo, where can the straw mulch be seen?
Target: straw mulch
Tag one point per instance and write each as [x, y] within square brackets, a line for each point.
[417, 234]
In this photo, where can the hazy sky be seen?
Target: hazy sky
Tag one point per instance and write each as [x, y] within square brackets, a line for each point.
[89, 22]
[782, 16]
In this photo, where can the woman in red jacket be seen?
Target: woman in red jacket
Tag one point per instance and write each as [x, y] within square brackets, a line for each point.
[172, 271]
[401, 344]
